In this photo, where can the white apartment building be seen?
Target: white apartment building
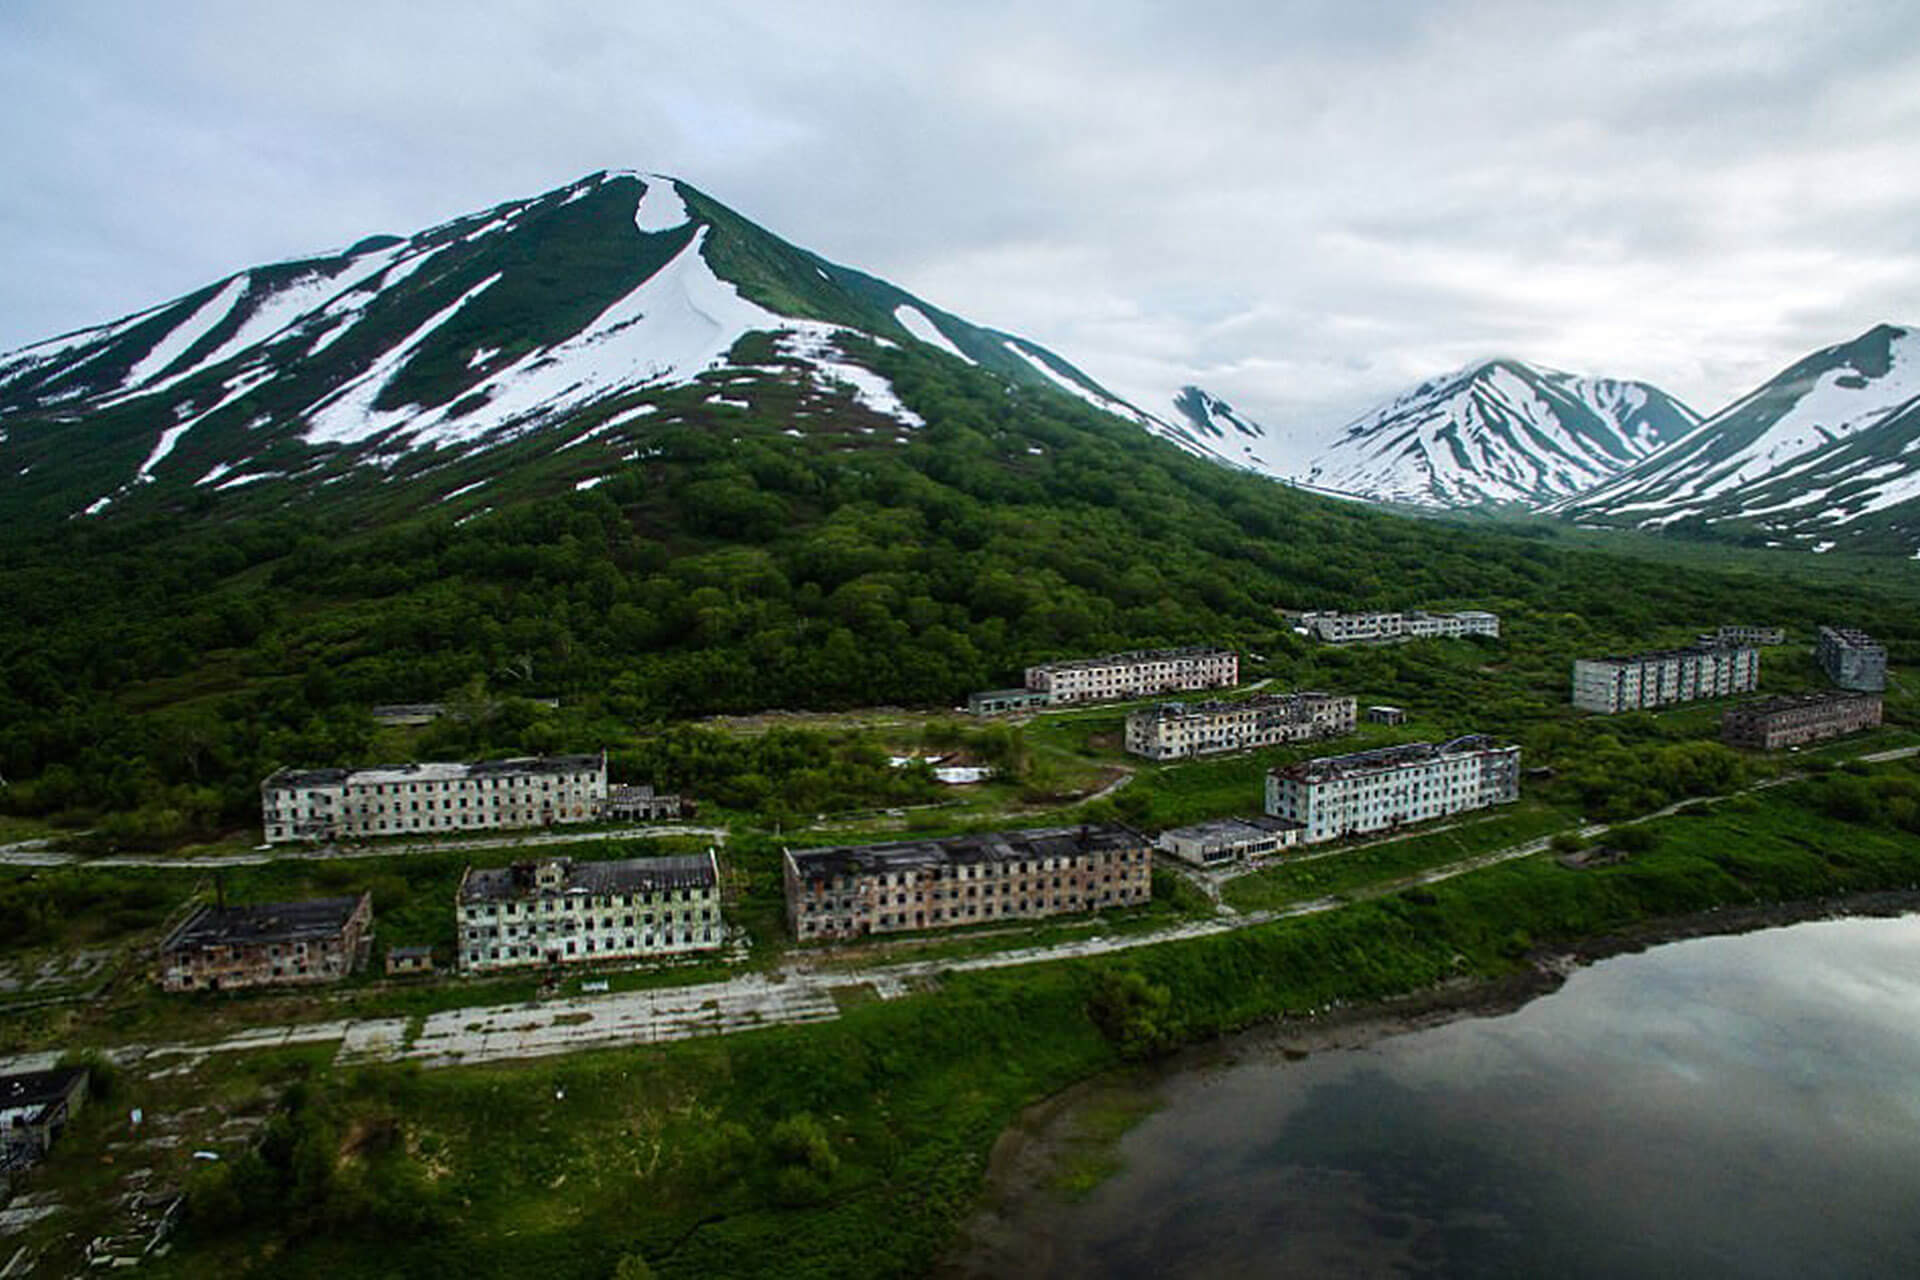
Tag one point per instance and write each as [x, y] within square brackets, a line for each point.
[1176, 730]
[416, 799]
[1377, 790]
[1645, 680]
[1334, 627]
[566, 912]
[1139, 674]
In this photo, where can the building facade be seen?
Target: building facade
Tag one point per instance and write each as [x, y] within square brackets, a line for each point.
[268, 944]
[416, 799]
[1661, 677]
[641, 803]
[566, 912]
[856, 890]
[1378, 790]
[993, 702]
[1852, 659]
[1212, 844]
[1334, 627]
[1139, 674]
[1177, 730]
[1792, 719]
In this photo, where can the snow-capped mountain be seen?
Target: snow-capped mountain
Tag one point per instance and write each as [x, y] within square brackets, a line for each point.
[1216, 429]
[1826, 453]
[581, 316]
[1498, 432]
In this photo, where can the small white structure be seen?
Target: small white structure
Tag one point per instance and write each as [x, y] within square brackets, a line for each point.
[1209, 844]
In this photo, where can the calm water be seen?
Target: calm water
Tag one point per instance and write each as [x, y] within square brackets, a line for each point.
[1743, 1106]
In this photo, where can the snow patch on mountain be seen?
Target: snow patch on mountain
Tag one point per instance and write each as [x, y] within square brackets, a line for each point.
[175, 342]
[917, 323]
[660, 207]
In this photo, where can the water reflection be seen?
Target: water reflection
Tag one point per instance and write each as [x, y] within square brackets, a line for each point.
[1744, 1106]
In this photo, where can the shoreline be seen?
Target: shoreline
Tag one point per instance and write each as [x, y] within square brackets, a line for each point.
[1028, 1156]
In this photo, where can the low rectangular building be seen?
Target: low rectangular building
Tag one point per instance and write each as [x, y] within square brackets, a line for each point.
[1758, 636]
[34, 1107]
[1176, 730]
[641, 803]
[1389, 787]
[1384, 714]
[566, 912]
[1209, 844]
[1795, 718]
[434, 798]
[1852, 659]
[1141, 673]
[993, 702]
[852, 891]
[1659, 678]
[1334, 627]
[268, 944]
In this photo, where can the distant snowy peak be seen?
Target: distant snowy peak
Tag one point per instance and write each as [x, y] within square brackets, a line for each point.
[1499, 432]
[1831, 444]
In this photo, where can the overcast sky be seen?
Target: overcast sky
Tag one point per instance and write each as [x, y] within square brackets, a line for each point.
[1304, 207]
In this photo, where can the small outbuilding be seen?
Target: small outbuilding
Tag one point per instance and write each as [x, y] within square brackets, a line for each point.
[1386, 715]
[406, 961]
[34, 1107]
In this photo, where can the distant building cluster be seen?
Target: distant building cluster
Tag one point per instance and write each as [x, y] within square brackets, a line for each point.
[1852, 659]
[852, 891]
[1334, 627]
[561, 912]
[1656, 679]
[1140, 673]
[1378, 790]
[1793, 719]
[1178, 730]
[414, 799]
[270, 944]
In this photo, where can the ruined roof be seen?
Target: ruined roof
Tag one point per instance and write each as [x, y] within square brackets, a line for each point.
[1380, 759]
[41, 1089]
[265, 922]
[1684, 651]
[1135, 656]
[1295, 702]
[433, 771]
[1850, 637]
[992, 846]
[620, 875]
[1794, 701]
[1230, 830]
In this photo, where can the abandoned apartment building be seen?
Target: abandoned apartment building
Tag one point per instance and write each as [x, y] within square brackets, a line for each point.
[1852, 659]
[1177, 730]
[852, 891]
[265, 944]
[1141, 673]
[639, 802]
[1333, 627]
[564, 912]
[1378, 790]
[412, 799]
[1791, 719]
[1663, 676]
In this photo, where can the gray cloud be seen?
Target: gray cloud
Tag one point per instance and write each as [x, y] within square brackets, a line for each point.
[1303, 206]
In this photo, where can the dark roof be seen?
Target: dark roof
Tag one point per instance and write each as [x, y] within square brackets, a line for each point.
[625, 875]
[1296, 703]
[305, 778]
[38, 1088]
[432, 771]
[265, 922]
[995, 846]
[1850, 638]
[1793, 701]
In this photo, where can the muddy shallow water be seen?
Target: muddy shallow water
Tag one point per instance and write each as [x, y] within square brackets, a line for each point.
[1724, 1106]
